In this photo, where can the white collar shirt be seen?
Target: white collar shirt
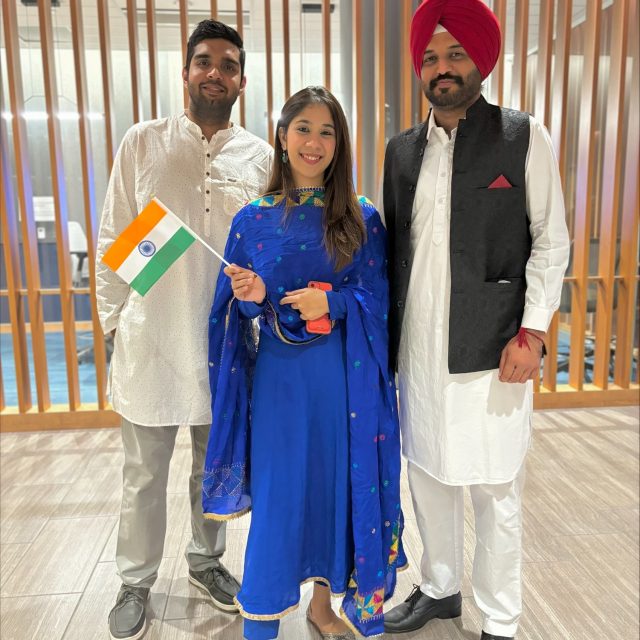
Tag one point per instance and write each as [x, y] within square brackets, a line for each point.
[471, 428]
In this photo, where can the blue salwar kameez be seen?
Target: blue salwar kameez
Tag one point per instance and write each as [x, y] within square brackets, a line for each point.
[305, 430]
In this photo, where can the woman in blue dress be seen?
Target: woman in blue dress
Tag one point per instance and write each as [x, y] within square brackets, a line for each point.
[305, 431]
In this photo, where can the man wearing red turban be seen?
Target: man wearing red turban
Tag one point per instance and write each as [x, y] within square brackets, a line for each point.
[478, 249]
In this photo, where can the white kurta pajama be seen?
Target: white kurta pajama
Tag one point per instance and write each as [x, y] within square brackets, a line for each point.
[158, 377]
[470, 428]
[159, 374]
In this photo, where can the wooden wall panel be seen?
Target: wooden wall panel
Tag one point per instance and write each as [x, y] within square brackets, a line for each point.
[558, 132]
[25, 203]
[286, 49]
[380, 97]
[326, 43]
[519, 80]
[59, 202]
[628, 284]
[269, 69]
[11, 246]
[134, 64]
[150, 11]
[184, 37]
[543, 68]
[240, 29]
[612, 184]
[407, 76]
[585, 185]
[500, 9]
[357, 59]
[88, 196]
[107, 81]
[618, 164]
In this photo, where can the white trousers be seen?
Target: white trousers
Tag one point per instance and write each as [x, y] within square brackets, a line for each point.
[496, 578]
[143, 515]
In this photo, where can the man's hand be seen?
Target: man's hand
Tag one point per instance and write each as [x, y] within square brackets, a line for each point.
[247, 285]
[311, 303]
[519, 364]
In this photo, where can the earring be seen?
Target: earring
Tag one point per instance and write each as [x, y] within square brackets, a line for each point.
[285, 157]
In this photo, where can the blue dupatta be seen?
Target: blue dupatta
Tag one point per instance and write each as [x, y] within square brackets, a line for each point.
[257, 239]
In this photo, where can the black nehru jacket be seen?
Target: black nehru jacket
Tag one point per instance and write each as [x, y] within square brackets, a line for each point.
[489, 232]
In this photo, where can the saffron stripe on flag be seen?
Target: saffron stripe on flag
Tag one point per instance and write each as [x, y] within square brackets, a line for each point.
[162, 260]
[129, 239]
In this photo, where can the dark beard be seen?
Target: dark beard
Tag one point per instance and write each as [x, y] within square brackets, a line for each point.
[452, 98]
[210, 111]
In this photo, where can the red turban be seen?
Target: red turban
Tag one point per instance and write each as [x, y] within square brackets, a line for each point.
[470, 22]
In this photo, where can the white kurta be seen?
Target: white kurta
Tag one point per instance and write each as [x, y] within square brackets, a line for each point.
[159, 369]
[470, 428]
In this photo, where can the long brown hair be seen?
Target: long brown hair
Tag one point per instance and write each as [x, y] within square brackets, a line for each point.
[344, 230]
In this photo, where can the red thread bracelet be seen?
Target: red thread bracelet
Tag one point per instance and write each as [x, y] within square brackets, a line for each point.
[522, 340]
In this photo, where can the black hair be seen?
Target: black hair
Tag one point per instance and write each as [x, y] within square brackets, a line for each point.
[212, 29]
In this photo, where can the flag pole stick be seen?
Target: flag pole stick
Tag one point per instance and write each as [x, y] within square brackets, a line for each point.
[193, 233]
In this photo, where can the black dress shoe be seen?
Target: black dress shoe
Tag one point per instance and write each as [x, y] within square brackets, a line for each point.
[490, 636]
[418, 609]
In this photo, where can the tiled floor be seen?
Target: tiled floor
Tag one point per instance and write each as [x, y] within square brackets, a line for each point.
[59, 505]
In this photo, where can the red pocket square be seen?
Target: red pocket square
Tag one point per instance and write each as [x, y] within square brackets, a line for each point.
[500, 183]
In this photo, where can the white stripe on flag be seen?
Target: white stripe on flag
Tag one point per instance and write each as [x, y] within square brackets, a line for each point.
[159, 235]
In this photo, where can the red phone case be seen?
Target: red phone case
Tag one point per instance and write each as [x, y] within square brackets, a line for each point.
[323, 324]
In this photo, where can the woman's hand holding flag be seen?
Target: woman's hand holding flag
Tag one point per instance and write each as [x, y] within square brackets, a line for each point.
[247, 285]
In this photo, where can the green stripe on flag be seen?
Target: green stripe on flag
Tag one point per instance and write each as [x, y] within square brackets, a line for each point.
[179, 242]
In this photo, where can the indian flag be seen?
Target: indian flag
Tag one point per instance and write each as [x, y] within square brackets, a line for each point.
[148, 247]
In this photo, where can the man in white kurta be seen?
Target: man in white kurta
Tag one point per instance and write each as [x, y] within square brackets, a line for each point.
[469, 429]
[203, 167]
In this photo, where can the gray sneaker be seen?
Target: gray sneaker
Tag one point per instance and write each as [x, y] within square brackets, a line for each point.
[127, 620]
[219, 585]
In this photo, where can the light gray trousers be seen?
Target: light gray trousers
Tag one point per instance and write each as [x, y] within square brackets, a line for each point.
[143, 515]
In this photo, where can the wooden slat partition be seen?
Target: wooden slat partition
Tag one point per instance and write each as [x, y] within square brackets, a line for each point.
[88, 196]
[558, 132]
[519, 81]
[628, 286]
[286, 49]
[267, 36]
[616, 157]
[585, 185]
[407, 76]
[17, 311]
[240, 30]
[107, 81]
[356, 53]
[543, 70]
[326, 42]
[59, 202]
[612, 186]
[500, 9]
[25, 203]
[150, 9]
[184, 36]
[379, 64]
[132, 30]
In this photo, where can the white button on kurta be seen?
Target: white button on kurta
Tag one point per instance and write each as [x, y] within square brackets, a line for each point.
[160, 371]
[470, 428]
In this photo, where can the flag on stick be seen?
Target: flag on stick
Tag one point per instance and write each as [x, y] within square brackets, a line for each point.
[148, 247]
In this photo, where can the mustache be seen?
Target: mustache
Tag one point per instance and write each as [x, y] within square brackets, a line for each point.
[446, 76]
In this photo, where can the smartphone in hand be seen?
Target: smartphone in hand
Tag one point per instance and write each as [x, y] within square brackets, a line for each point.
[323, 324]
